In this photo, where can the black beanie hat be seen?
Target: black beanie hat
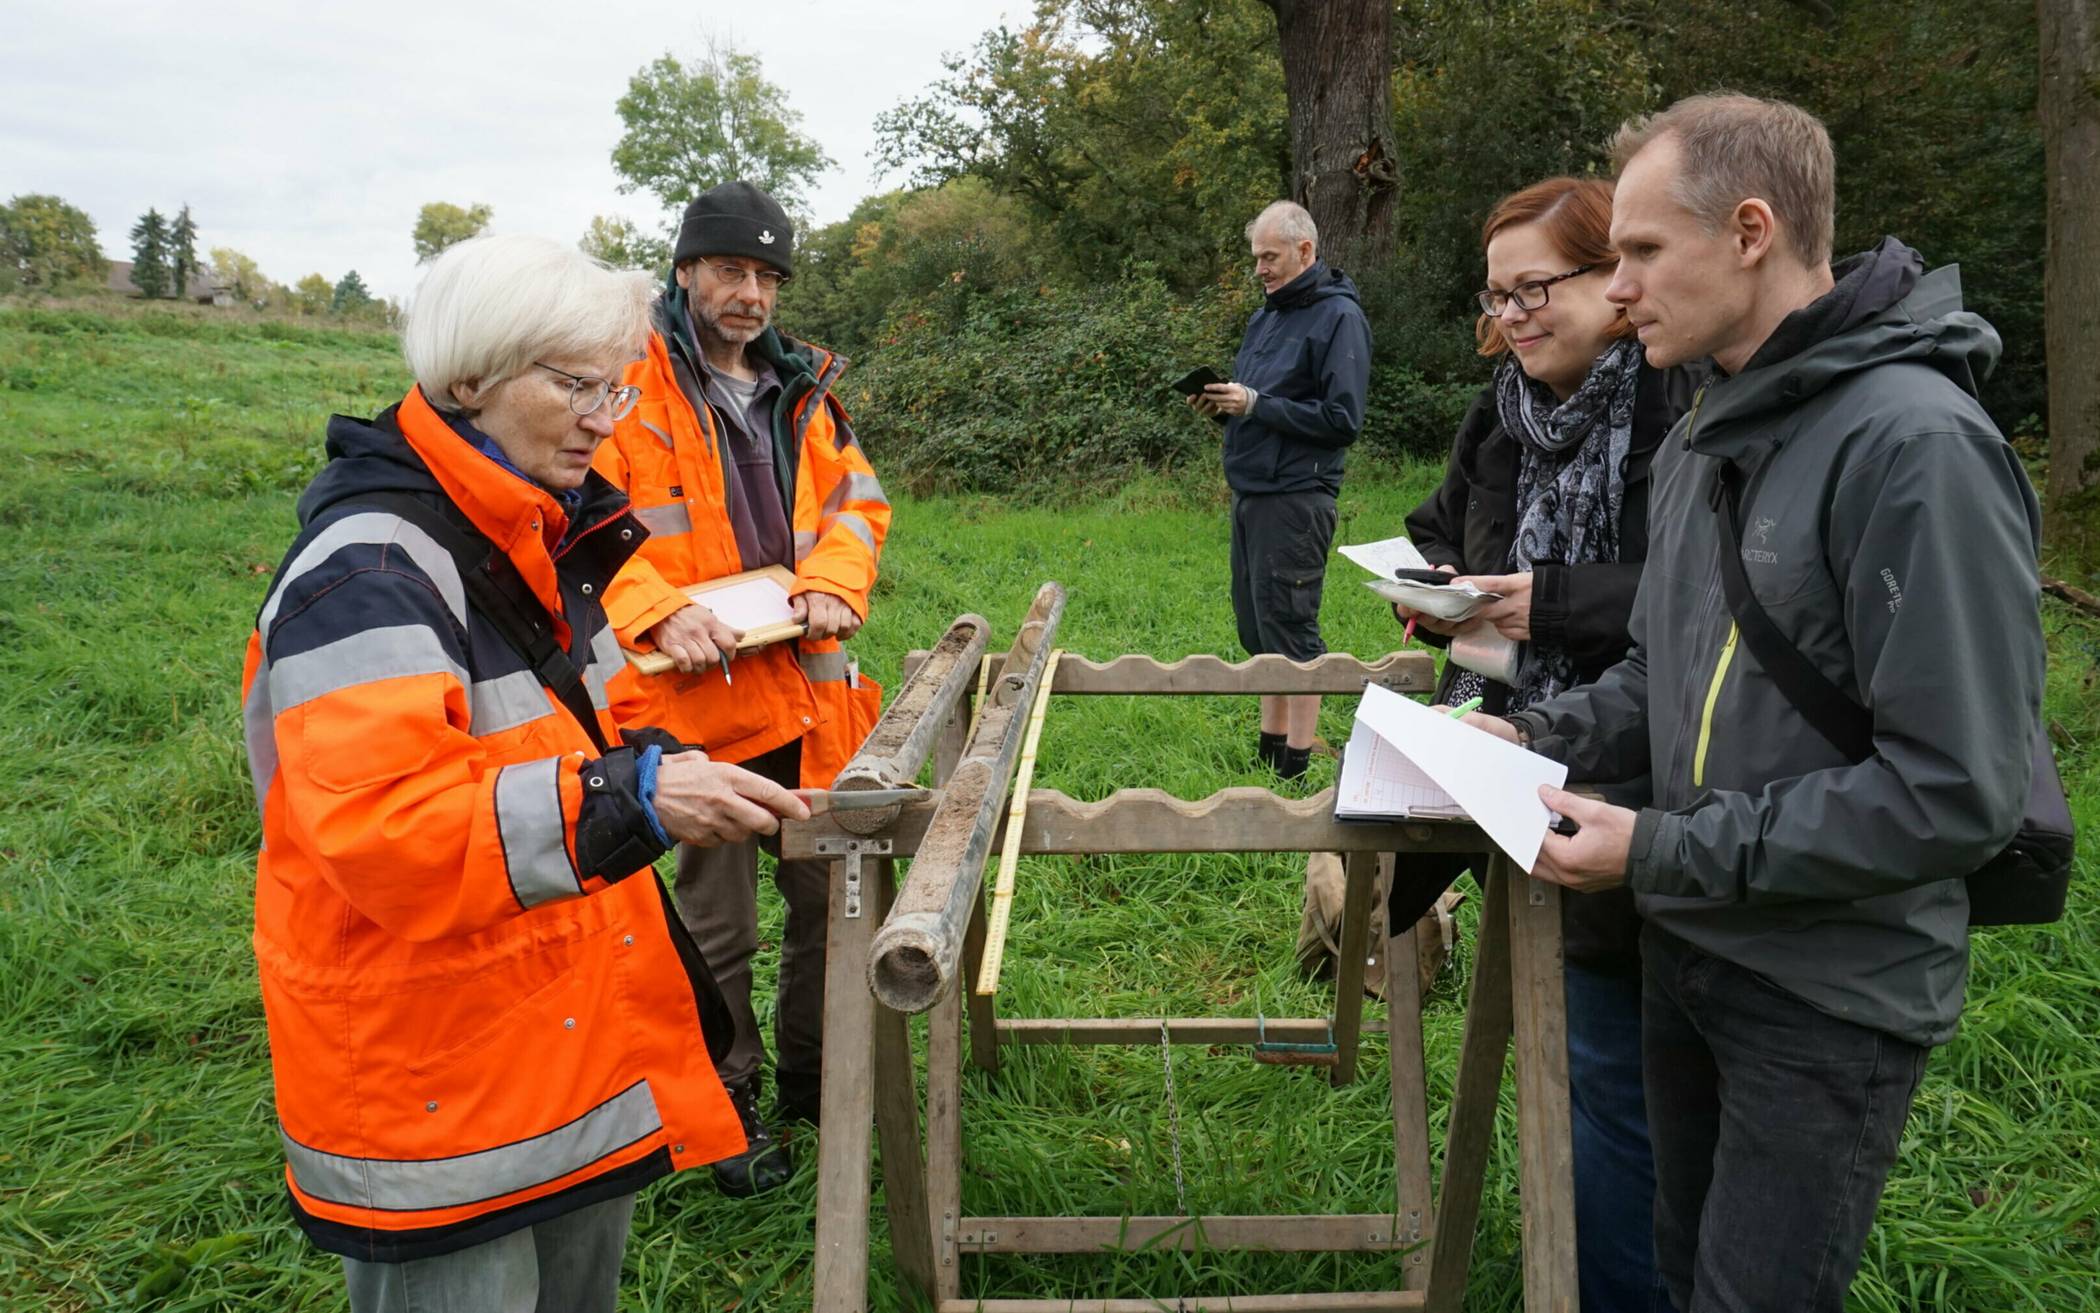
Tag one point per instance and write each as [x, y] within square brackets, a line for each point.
[736, 218]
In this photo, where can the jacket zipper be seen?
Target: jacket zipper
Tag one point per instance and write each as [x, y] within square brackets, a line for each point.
[1706, 717]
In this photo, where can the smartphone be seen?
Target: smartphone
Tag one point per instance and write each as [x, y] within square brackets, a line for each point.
[1192, 383]
[1423, 576]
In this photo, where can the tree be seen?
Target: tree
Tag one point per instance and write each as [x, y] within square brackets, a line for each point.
[442, 224]
[312, 294]
[1337, 80]
[46, 243]
[238, 274]
[690, 127]
[623, 245]
[350, 295]
[182, 253]
[2070, 115]
[149, 255]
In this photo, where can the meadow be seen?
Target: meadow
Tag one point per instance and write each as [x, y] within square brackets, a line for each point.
[152, 460]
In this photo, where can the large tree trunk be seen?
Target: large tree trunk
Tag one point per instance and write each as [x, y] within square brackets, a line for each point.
[2070, 114]
[1337, 79]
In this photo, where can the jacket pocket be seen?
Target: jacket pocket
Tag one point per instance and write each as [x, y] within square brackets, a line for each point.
[467, 1020]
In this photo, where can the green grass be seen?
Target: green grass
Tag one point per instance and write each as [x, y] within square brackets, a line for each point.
[153, 460]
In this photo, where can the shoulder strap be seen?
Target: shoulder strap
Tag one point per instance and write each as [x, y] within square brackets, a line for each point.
[1840, 720]
[500, 594]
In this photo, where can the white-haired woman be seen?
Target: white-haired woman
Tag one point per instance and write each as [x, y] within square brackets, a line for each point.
[486, 1031]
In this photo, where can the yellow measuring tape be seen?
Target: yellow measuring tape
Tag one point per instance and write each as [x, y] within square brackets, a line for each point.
[1010, 852]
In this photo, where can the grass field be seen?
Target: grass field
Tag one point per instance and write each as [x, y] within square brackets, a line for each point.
[153, 461]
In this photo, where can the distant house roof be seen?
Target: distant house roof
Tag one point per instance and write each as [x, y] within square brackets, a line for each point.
[202, 289]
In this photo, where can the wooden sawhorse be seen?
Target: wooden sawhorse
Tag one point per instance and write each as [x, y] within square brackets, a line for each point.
[869, 1076]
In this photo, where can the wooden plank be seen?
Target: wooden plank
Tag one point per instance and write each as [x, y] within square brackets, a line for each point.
[1545, 1155]
[840, 1275]
[1336, 1233]
[1392, 1302]
[1180, 1030]
[904, 1193]
[916, 949]
[1409, 1083]
[1470, 1131]
[1236, 820]
[983, 1008]
[1360, 872]
[1336, 672]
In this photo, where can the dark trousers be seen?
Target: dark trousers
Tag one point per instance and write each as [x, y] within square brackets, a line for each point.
[717, 897]
[1614, 1168]
[1279, 564]
[1774, 1127]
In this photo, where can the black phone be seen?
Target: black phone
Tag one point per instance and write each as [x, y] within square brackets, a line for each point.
[1192, 383]
[1423, 576]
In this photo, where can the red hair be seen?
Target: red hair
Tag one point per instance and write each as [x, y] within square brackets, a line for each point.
[1576, 216]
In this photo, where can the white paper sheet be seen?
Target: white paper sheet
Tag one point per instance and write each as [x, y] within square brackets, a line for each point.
[1379, 781]
[1384, 557]
[1496, 782]
[746, 606]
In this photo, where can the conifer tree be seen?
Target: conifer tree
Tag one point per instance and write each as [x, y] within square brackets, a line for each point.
[149, 255]
[182, 254]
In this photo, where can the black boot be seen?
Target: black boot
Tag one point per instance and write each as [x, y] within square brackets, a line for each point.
[764, 1163]
[1291, 762]
[1268, 749]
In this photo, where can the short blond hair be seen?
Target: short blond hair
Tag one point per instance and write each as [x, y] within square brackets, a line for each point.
[1736, 147]
[490, 306]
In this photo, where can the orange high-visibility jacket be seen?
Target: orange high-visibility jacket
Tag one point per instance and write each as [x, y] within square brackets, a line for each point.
[473, 1026]
[673, 464]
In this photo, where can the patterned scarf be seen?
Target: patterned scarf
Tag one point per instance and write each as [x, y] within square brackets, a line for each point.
[1571, 483]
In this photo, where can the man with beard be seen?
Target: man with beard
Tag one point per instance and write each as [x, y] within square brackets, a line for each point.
[738, 457]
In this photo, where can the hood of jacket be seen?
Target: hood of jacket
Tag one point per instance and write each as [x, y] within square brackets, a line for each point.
[1883, 308]
[1318, 283]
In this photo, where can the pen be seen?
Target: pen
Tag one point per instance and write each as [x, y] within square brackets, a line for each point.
[725, 667]
[1407, 635]
[1470, 704]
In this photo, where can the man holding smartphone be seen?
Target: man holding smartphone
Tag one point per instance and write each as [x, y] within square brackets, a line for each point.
[1295, 404]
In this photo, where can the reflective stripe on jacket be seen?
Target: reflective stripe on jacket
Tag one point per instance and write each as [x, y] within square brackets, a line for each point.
[473, 1027]
[668, 456]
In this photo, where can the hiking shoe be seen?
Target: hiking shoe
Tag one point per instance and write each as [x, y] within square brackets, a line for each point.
[764, 1164]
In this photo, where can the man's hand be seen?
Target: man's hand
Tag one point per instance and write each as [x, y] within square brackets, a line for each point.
[694, 637]
[1494, 725]
[706, 803]
[1593, 859]
[1223, 399]
[1511, 615]
[826, 616]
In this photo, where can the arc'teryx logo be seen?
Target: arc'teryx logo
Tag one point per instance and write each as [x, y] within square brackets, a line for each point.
[1762, 532]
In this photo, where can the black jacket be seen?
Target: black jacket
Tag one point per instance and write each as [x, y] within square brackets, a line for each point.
[1307, 353]
[1470, 521]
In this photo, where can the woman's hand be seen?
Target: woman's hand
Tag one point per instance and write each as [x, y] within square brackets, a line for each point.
[1512, 615]
[1423, 620]
[706, 803]
[694, 637]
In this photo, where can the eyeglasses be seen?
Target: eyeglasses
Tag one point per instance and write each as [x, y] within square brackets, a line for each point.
[1528, 296]
[732, 275]
[586, 394]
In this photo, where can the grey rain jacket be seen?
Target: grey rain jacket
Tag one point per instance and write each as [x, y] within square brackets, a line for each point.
[1891, 534]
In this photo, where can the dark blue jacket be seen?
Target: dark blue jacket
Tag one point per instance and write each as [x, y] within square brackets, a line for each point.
[1308, 353]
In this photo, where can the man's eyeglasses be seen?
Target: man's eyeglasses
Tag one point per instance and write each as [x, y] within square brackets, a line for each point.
[1528, 296]
[586, 394]
[732, 275]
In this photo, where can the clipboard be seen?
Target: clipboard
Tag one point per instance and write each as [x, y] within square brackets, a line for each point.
[744, 601]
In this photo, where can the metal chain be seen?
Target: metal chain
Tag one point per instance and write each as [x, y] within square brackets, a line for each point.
[1166, 1057]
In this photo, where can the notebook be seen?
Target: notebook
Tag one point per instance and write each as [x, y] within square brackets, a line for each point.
[1407, 762]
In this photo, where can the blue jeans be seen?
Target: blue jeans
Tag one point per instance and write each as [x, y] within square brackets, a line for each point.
[1775, 1126]
[1614, 1168]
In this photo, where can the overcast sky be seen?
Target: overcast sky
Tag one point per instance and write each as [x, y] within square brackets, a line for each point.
[308, 135]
